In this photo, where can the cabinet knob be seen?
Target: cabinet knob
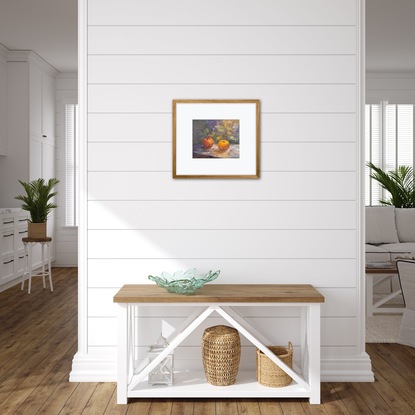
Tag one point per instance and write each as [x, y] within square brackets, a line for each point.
[44, 135]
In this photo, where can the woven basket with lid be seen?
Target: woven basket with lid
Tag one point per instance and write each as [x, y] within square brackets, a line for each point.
[221, 353]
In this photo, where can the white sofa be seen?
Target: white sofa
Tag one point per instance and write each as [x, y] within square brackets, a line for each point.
[390, 233]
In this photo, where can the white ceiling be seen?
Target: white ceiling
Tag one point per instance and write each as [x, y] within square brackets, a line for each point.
[390, 35]
[49, 27]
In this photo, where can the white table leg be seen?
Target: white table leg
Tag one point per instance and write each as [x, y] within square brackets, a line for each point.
[314, 363]
[49, 268]
[43, 264]
[369, 295]
[26, 265]
[30, 266]
[123, 340]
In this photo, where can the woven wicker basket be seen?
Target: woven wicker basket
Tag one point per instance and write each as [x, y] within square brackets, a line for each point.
[268, 373]
[36, 230]
[221, 353]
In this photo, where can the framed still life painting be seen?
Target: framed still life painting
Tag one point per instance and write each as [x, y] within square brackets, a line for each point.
[216, 139]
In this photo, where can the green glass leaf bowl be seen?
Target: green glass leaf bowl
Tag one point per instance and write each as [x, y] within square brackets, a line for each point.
[180, 282]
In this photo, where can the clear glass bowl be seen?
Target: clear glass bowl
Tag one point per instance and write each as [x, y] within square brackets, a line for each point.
[186, 282]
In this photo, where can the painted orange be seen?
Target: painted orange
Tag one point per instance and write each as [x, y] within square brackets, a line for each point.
[223, 145]
[207, 142]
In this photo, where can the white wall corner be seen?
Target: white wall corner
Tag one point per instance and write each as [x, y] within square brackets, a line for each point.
[347, 369]
[86, 368]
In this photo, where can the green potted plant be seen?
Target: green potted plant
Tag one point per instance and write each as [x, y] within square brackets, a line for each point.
[37, 201]
[400, 183]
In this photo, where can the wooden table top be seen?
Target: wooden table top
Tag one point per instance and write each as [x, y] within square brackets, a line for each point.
[222, 293]
[373, 267]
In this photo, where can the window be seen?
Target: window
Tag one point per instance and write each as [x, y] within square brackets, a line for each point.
[389, 142]
[71, 164]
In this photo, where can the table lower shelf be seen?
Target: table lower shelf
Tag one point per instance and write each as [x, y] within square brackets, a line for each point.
[193, 384]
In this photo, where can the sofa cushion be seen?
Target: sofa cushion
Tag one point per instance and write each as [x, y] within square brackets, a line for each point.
[380, 225]
[405, 224]
[404, 249]
[376, 253]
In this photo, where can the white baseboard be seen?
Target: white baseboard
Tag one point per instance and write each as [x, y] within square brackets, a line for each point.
[86, 368]
[337, 369]
[347, 369]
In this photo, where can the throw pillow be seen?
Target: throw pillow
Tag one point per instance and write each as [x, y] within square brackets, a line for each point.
[380, 225]
[405, 224]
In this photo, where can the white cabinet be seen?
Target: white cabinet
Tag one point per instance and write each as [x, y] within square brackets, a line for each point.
[13, 227]
[30, 124]
[42, 105]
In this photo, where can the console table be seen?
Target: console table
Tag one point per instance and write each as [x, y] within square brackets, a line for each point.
[222, 299]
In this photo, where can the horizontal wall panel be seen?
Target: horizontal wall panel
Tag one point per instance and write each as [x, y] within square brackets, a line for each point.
[326, 352]
[338, 273]
[275, 157]
[337, 303]
[218, 12]
[209, 215]
[278, 330]
[336, 331]
[221, 40]
[130, 127]
[272, 186]
[221, 244]
[274, 98]
[274, 127]
[103, 69]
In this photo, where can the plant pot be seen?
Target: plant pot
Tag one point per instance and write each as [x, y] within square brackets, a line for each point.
[36, 230]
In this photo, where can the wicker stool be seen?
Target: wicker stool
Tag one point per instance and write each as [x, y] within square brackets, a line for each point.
[221, 351]
[268, 373]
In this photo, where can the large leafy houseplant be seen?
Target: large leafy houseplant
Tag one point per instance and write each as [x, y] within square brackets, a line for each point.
[37, 201]
[400, 184]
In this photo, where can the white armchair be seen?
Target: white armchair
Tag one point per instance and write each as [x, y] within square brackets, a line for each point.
[406, 270]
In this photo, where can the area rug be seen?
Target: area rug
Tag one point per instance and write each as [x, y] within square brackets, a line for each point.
[382, 329]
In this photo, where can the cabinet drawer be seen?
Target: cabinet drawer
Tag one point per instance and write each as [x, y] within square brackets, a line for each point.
[19, 234]
[20, 263]
[21, 220]
[7, 242]
[7, 222]
[7, 265]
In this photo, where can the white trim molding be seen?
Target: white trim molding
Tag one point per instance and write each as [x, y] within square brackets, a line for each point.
[84, 368]
[87, 368]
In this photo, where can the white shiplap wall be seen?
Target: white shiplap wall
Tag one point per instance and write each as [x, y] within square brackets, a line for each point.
[66, 237]
[299, 223]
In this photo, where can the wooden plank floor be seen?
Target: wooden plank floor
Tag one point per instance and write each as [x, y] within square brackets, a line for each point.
[38, 339]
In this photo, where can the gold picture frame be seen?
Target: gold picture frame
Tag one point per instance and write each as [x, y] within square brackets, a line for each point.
[216, 138]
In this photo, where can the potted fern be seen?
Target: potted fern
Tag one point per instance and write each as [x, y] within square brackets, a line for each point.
[400, 184]
[37, 201]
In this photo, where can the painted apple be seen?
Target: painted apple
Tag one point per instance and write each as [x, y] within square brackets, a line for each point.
[223, 145]
[207, 142]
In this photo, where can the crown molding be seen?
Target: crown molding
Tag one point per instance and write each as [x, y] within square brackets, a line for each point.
[4, 53]
[32, 58]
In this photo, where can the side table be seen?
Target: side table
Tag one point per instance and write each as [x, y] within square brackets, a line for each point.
[382, 271]
[29, 243]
